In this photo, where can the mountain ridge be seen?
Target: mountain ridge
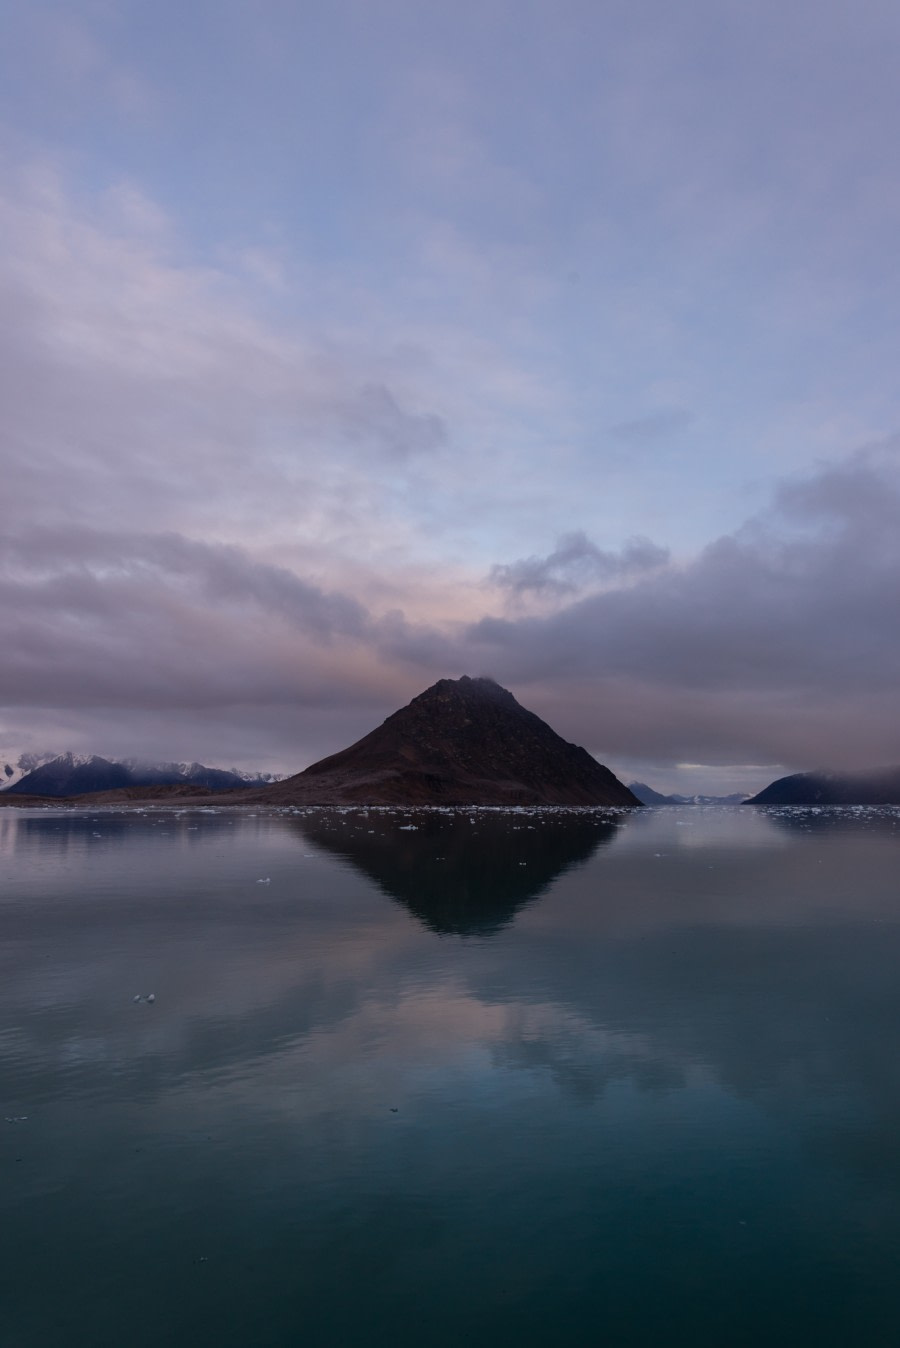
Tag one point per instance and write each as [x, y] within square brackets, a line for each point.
[71, 774]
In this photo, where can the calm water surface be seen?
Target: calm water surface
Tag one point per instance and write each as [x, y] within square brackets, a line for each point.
[436, 1078]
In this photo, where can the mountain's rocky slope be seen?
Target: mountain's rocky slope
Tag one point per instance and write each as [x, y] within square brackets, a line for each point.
[461, 742]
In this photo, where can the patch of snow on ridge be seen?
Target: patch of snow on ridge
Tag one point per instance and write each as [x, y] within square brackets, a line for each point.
[12, 772]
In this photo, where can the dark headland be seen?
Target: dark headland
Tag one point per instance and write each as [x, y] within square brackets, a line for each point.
[880, 787]
[461, 742]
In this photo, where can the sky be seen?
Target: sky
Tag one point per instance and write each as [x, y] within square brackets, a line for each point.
[346, 345]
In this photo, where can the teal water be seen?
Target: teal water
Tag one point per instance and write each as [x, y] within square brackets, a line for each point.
[529, 1078]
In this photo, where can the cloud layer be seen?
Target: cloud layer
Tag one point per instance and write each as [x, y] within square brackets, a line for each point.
[777, 644]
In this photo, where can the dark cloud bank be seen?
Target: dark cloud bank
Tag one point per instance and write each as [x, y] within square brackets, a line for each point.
[777, 644]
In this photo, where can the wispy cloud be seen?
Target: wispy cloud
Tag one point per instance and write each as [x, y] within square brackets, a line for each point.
[575, 563]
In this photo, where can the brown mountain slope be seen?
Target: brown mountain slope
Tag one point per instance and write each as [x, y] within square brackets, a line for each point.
[461, 742]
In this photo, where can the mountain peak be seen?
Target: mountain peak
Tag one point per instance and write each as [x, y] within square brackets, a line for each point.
[466, 686]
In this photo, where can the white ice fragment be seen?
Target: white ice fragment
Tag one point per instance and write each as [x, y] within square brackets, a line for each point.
[151, 997]
[267, 881]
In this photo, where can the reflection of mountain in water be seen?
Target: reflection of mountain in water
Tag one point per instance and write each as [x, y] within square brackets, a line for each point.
[461, 873]
[831, 819]
[61, 830]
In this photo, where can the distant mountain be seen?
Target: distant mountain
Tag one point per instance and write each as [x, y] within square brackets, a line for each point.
[881, 787]
[79, 774]
[461, 742]
[647, 796]
[72, 775]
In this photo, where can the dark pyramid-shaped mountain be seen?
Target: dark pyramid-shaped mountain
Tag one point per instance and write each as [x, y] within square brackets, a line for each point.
[461, 742]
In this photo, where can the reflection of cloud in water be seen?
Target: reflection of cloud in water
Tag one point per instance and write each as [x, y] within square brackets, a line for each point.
[794, 1018]
[460, 872]
[697, 826]
[581, 1059]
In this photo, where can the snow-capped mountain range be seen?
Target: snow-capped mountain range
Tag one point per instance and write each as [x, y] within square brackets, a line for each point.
[45, 774]
[647, 796]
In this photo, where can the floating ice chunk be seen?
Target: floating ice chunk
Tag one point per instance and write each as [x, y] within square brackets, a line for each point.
[267, 881]
[151, 997]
